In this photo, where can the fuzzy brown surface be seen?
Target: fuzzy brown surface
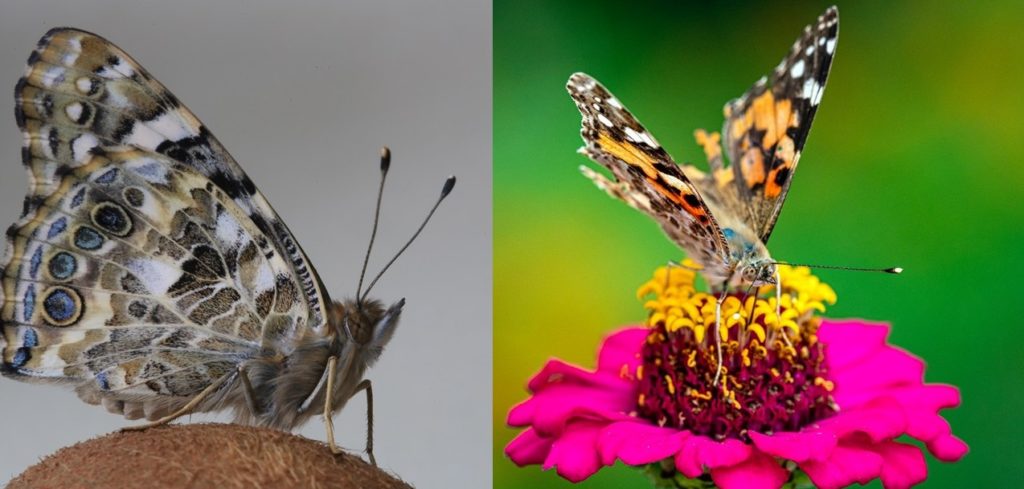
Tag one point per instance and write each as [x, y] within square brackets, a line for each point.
[200, 456]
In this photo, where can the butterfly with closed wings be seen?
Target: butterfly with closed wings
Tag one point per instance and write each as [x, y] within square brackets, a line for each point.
[149, 272]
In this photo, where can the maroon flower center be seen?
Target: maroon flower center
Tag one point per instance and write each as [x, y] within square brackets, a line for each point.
[764, 388]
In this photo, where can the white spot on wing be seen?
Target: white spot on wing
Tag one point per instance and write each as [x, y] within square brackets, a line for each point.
[604, 120]
[53, 76]
[264, 278]
[798, 69]
[81, 146]
[124, 68]
[74, 111]
[156, 275]
[816, 99]
[632, 135]
[810, 86]
[144, 137]
[170, 126]
[228, 229]
[83, 84]
[830, 45]
[647, 138]
[614, 102]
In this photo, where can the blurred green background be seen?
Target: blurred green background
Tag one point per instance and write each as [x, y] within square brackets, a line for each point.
[916, 159]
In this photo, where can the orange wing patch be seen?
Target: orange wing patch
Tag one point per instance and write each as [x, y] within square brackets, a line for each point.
[628, 153]
[762, 132]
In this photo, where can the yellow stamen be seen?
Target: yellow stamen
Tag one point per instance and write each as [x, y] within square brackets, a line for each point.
[674, 302]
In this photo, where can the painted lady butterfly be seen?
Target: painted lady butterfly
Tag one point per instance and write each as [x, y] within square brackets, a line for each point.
[150, 273]
[722, 219]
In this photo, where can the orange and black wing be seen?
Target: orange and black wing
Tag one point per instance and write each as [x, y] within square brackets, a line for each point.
[645, 175]
[766, 128]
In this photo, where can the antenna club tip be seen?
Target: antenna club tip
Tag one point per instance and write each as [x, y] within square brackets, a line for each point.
[449, 184]
[896, 270]
[385, 159]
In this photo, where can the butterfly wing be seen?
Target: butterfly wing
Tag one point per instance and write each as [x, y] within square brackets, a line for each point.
[136, 274]
[83, 89]
[145, 265]
[646, 177]
[766, 128]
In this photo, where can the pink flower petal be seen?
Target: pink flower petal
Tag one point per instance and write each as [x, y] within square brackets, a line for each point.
[798, 447]
[639, 443]
[884, 368]
[558, 373]
[922, 404]
[700, 451]
[881, 419]
[849, 341]
[528, 448]
[622, 348]
[846, 464]
[549, 411]
[948, 448]
[563, 391]
[574, 453]
[903, 466]
[759, 471]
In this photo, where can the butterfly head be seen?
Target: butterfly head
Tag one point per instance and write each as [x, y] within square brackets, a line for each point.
[757, 272]
[367, 324]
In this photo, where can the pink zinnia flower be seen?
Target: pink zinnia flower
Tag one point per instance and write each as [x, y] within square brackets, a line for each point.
[798, 397]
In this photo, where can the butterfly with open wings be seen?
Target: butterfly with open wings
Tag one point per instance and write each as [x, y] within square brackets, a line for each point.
[150, 273]
[723, 218]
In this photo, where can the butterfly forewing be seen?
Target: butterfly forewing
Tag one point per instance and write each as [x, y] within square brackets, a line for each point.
[646, 177]
[766, 128]
[82, 92]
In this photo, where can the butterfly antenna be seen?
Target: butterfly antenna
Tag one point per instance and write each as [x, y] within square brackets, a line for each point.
[892, 270]
[385, 164]
[449, 184]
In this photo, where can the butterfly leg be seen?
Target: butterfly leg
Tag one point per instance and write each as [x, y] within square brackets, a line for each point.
[778, 307]
[250, 396]
[366, 386]
[718, 330]
[186, 409]
[332, 363]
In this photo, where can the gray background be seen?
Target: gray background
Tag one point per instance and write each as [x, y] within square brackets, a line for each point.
[303, 96]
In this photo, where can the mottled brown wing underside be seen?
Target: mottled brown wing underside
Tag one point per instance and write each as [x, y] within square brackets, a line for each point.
[82, 88]
[145, 265]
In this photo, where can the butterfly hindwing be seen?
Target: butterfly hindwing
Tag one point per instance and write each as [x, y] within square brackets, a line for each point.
[646, 177]
[84, 91]
[137, 277]
[766, 128]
